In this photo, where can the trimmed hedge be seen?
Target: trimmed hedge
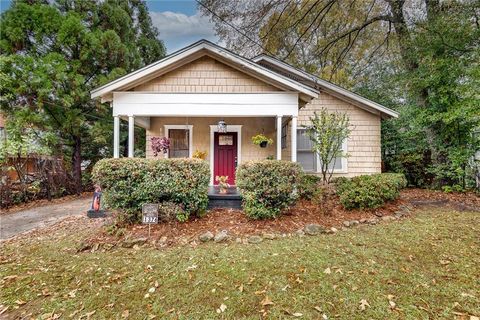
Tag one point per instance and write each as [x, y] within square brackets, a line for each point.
[268, 187]
[369, 191]
[128, 183]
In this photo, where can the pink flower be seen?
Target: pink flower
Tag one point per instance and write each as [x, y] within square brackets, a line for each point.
[160, 145]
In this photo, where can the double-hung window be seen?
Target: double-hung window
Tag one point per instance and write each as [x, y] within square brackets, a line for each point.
[310, 161]
[305, 156]
[180, 137]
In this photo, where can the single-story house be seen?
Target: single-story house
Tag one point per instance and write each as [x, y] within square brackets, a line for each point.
[207, 98]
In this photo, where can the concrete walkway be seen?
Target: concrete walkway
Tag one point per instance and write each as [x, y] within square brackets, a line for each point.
[15, 223]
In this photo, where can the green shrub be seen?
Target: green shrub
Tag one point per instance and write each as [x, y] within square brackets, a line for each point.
[268, 187]
[169, 211]
[129, 183]
[369, 191]
[308, 186]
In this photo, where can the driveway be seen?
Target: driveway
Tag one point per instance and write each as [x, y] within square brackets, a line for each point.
[15, 223]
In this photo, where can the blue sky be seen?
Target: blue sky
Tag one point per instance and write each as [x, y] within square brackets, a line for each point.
[179, 22]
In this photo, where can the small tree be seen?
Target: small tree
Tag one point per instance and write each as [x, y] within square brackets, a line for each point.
[328, 131]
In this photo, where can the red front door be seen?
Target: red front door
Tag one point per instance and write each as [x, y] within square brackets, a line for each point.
[225, 155]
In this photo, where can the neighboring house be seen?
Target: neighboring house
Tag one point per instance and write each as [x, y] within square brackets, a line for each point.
[189, 94]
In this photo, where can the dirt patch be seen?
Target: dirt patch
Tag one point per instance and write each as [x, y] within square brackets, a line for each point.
[461, 201]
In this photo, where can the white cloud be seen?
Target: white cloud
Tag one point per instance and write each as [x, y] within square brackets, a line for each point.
[179, 30]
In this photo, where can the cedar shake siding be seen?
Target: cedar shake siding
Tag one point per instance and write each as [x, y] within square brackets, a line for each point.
[363, 145]
[206, 75]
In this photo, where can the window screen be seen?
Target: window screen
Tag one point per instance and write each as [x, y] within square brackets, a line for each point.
[308, 159]
[284, 135]
[305, 156]
[179, 143]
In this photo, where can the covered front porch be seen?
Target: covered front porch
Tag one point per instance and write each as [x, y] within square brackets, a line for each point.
[191, 121]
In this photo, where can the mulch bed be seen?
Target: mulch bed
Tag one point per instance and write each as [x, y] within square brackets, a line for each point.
[332, 214]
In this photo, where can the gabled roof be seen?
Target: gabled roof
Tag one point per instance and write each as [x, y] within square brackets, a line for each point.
[315, 82]
[192, 52]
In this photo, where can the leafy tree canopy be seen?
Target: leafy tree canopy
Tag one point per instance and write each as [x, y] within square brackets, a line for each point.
[419, 57]
[55, 52]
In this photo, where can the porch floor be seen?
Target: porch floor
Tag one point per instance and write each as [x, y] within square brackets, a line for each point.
[231, 199]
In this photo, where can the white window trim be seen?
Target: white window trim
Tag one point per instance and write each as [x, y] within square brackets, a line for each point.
[190, 136]
[230, 128]
[344, 168]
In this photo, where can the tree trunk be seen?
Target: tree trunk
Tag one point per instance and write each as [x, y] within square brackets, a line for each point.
[77, 164]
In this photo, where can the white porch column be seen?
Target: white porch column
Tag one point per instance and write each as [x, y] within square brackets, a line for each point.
[294, 139]
[131, 123]
[116, 136]
[279, 137]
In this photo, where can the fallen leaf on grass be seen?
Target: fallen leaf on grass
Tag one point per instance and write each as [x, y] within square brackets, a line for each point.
[88, 315]
[266, 301]
[7, 278]
[125, 313]
[364, 304]
[222, 308]
[392, 304]
[72, 293]
[192, 267]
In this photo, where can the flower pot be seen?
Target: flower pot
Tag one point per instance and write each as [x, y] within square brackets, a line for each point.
[263, 144]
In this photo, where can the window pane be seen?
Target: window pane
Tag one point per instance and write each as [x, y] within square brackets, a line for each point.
[225, 140]
[306, 160]
[338, 164]
[178, 143]
[303, 141]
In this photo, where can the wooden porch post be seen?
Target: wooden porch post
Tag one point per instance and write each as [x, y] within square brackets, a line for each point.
[131, 127]
[279, 137]
[294, 139]
[116, 136]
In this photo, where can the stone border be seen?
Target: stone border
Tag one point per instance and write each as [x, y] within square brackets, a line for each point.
[223, 236]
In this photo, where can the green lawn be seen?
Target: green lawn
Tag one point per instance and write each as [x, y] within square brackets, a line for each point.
[427, 266]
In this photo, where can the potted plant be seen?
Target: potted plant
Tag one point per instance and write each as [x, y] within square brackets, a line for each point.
[200, 154]
[160, 145]
[261, 140]
[222, 184]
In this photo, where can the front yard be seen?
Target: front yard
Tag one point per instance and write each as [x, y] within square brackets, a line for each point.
[425, 266]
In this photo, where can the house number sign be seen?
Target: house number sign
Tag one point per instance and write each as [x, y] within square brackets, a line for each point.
[150, 213]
